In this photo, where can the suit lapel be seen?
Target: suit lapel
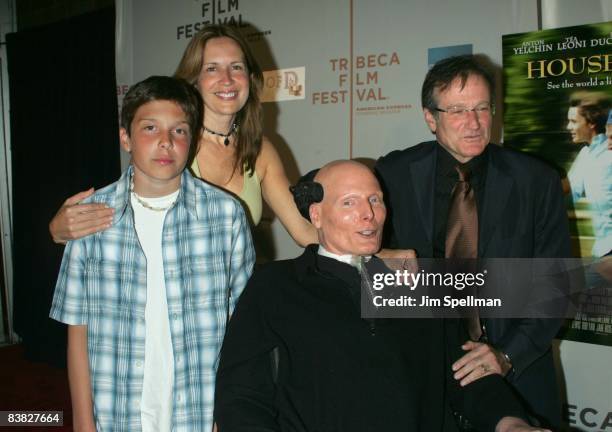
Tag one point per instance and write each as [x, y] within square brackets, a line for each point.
[423, 174]
[498, 186]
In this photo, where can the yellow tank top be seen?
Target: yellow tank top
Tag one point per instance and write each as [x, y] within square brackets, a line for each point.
[250, 196]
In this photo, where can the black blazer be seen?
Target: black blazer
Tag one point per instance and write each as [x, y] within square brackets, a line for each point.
[297, 356]
[523, 216]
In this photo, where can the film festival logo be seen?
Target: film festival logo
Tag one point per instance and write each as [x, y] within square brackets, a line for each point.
[284, 85]
[213, 12]
[365, 74]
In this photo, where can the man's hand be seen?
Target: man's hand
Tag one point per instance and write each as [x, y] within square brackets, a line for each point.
[481, 360]
[399, 259]
[74, 220]
[515, 424]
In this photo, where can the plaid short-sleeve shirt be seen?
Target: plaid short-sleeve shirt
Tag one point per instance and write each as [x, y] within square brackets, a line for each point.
[208, 256]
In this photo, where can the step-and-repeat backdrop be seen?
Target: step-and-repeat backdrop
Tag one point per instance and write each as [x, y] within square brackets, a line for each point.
[342, 80]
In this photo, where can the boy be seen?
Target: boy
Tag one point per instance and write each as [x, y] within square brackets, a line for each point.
[591, 171]
[147, 300]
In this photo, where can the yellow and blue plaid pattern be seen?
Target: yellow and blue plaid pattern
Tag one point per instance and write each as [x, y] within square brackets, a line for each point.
[208, 256]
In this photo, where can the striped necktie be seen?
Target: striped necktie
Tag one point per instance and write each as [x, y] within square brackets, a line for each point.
[462, 237]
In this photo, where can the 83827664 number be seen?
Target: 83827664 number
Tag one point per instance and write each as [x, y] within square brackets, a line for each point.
[31, 418]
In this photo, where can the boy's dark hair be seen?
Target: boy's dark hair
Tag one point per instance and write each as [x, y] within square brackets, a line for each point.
[169, 89]
[443, 73]
[593, 106]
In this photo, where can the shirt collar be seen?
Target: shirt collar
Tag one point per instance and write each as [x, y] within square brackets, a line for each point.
[598, 144]
[446, 163]
[352, 260]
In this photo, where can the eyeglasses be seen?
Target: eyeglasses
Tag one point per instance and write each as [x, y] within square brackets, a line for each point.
[482, 110]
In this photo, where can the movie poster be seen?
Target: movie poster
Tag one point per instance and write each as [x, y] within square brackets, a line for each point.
[558, 91]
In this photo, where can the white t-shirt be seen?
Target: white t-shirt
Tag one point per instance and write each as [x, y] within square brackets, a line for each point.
[158, 381]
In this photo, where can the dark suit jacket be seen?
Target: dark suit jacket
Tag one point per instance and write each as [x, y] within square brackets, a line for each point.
[298, 357]
[523, 216]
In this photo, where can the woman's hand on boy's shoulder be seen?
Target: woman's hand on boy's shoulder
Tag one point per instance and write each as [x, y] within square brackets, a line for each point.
[74, 220]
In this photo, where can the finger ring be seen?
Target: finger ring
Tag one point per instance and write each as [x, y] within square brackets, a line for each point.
[485, 368]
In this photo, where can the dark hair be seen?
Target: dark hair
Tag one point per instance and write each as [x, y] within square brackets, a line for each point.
[307, 192]
[249, 119]
[444, 72]
[593, 106]
[171, 89]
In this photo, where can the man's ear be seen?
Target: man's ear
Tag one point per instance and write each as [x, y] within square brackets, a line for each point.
[315, 215]
[430, 119]
[124, 138]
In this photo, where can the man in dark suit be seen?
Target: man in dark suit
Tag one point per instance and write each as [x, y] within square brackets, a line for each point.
[298, 357]
[520, 214]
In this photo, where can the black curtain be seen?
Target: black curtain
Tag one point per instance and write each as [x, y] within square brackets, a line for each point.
[64, 139]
